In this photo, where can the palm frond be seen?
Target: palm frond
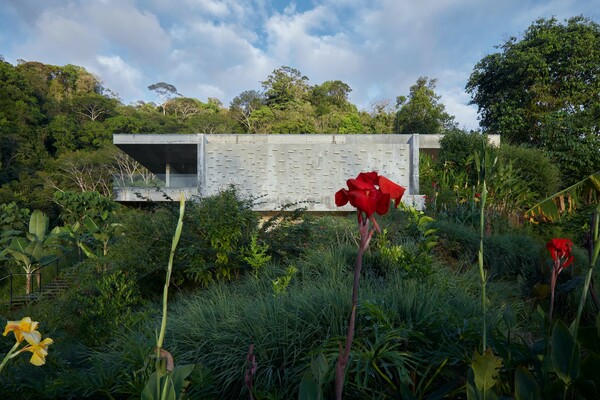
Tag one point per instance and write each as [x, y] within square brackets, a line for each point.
[586, 191]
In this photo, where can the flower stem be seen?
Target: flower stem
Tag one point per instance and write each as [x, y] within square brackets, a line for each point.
[163, 324]
[595, 243]
[344, 354]
[8, 356]
[480, 259]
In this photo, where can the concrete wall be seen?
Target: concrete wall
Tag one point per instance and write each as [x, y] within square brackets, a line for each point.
[283, 169]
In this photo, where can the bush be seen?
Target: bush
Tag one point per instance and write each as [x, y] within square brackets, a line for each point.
[533, 167]
[100, 302]
[218, 234]
[506, 256]
[457, 147]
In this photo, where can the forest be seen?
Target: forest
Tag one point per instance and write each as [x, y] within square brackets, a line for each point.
[486, 293]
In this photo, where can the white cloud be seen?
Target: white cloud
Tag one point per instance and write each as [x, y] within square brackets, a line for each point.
[116, 73]
[60, 39]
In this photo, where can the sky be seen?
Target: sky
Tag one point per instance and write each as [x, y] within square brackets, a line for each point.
[220, 48]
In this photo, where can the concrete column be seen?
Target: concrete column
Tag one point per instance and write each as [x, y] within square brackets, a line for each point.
[168, 175]
[414, 163]
[201, 167]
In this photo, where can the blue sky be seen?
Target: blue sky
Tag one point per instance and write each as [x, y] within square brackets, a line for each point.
[219, 48]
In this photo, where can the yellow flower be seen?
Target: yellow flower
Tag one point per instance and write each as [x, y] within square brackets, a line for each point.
[21, 329]
[38, 347]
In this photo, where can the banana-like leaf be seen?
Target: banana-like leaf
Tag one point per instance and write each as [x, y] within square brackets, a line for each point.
[38, 224]
[586, 191]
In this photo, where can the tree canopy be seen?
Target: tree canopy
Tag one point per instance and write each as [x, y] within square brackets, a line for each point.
[422, 111]
[543, 91]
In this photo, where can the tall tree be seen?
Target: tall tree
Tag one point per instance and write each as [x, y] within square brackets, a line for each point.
[422, 112]
[243, 105]
[542, 91]
[330, 94]
[93, 106]
[285, 87]
[165, 92]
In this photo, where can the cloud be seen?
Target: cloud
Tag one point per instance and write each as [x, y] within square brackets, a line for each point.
[121, 75]
[61, 40]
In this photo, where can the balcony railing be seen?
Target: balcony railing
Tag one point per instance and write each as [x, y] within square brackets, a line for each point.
[159, 187]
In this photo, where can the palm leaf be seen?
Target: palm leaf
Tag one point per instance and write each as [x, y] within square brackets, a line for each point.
[586, 191]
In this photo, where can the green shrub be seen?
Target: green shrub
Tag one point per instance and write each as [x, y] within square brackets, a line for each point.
[540, 175]
[144, 252]
[506, 256]
[75, 206]
[218, 236]
[12, 217]
[100, 302]
[289, 232]
[457, 147]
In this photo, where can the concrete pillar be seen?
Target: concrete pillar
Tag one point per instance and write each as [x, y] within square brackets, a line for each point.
[414, 163]
[201, 167]
[168, 175]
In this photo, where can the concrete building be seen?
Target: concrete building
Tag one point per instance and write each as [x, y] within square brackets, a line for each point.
[274, 169]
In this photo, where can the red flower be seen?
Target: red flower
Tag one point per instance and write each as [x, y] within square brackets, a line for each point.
[560, 251]
[477, 195]
[364, 194]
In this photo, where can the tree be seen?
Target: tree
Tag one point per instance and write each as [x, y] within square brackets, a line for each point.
[422, 111]
[330, 94]
[185, 107]
[93, 106]
[285, 88]
[542, 91]
[165, 92]
[380, 119]
[243, 105]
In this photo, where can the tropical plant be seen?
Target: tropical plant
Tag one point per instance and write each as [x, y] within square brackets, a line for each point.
[34, 249]
[167, 381]
[369, 193]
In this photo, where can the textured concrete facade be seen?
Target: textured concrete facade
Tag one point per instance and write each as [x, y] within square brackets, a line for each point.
[276, 169]
[282, 169]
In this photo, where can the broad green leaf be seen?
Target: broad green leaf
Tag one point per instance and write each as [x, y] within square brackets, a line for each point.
[308, 387]
[88, 252]
[21, 258]
[38, 224]
[475, 394]
[179, 376]
[485, 370]
[319, 367]
[565, 353]
[588, 189]
[36, 250]
[526, 387]
[152, 392]
[90, 225]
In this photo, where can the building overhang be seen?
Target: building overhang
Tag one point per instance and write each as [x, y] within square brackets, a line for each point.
[154, 151]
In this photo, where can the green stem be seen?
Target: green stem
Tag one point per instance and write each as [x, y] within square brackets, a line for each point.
[595, 240]
[163, 324]
[8, 356]
[481, 270]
